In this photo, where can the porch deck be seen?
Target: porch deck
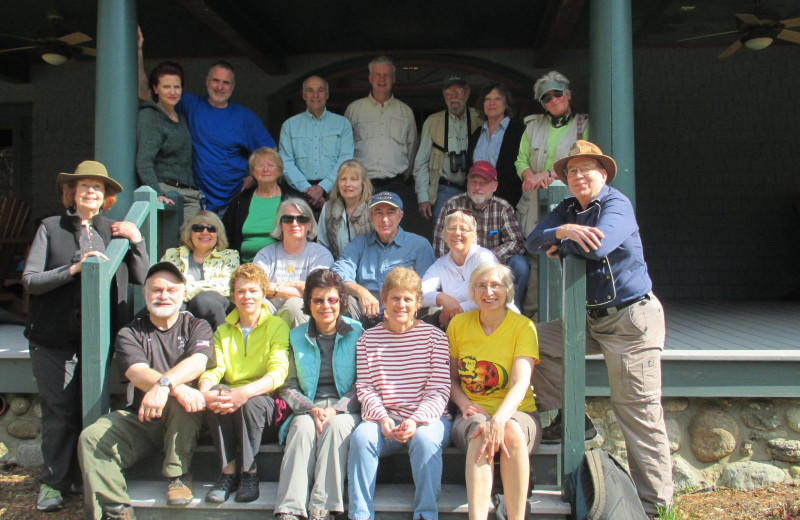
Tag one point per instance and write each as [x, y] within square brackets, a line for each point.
[714, 348]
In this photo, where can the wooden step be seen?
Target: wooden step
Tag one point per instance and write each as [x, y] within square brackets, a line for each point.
[392, 502]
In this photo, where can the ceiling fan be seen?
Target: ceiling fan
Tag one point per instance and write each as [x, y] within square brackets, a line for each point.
[758, 30]
[54, 49]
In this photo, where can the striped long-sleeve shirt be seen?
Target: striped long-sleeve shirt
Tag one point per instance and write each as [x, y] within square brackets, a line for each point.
[403, 375]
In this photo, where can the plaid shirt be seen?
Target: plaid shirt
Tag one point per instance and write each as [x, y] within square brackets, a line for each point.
[497, 227]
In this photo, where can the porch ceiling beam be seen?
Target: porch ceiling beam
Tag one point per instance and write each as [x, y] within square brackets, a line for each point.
[228, 20]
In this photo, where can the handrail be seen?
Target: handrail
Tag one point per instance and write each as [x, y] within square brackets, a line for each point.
[96, 277]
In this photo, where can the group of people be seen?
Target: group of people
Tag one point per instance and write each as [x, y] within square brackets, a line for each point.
[296, 307]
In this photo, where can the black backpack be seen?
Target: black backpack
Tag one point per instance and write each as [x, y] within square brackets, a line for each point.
[603, 490]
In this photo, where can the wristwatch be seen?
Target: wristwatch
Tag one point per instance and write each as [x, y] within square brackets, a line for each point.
[165, 382]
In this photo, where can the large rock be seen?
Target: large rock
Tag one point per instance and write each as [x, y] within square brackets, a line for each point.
[24, 429]
[675, 404]
[749, 475]
[18, 404]
[713, 433]
[793, 418]
[760, 415]
[784, 449]
[29, 454]
[674, 435]
[684, 476]
[3, 450]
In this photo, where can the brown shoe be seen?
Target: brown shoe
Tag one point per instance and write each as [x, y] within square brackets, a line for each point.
[118, 512]
[179, 490]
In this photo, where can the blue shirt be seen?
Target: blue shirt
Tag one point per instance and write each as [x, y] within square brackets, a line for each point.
[616, 273]
[312, 149]
[366, 260]
[222, 140]
[488, 148]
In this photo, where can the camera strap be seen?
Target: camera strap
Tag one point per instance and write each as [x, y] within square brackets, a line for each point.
[446, 146]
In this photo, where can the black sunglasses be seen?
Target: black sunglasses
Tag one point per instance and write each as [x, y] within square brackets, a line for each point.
[549, 97]
[301, 219]
[198, 228]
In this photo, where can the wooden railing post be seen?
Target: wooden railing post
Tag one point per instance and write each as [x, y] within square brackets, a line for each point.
[574, 344]
[549, 269]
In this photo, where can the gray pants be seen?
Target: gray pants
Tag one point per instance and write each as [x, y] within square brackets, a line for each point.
[631, 342]
[118, 440]
[191, 199]
[318, 463]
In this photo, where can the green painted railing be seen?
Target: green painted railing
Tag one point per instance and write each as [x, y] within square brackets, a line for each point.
[96, 279]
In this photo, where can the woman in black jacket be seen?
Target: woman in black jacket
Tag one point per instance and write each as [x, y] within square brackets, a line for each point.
[52, 277]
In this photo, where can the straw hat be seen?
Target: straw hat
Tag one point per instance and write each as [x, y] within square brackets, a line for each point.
[90, 170]
[586, 149]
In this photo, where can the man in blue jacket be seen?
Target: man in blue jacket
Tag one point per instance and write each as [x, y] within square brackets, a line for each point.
[624, 319]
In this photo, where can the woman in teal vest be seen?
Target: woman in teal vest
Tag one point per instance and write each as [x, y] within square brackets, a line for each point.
[320, 391]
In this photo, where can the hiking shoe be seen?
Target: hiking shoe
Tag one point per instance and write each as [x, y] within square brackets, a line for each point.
[225, 485]
[552, 434]
[179, 490]
[248, 487]
[49, 500]
[118, 512]
[318, 514]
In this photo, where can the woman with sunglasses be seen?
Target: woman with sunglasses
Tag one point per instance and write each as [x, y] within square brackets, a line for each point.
[289, 261]
[492, 355]
[252, 214]
[320, 391]
[547, 138]
[207, 264]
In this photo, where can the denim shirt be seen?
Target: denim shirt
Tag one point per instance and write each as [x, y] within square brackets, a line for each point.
[616, 272]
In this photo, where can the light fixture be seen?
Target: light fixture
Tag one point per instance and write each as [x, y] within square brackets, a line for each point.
[54, 58]
[758, 43]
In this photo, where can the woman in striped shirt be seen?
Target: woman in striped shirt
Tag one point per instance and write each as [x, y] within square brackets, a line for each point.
[403, 385]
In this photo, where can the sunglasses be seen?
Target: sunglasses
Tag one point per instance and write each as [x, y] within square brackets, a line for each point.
[198, 228]
[332, 300]
[549, 96]
[301, 219]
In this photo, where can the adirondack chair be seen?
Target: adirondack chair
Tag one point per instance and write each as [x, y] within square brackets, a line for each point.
[13, 246]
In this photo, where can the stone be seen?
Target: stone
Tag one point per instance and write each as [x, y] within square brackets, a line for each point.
[18, 404]
[675, 404]
[37, 409]
[24, 429]
[784, 449]
[794, 471]
[597, 408]
[29, 454]
[760, 415]
[746, 450]
[713, 433]
[749, 475]
[684, 476]
[673, 434]
[729, 402]
[3, 450]
[793, 418]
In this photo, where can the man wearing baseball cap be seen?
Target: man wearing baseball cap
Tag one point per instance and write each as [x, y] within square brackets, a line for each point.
[162, 354]
[624, 319]
[441, 163]
[498, 230]
[368, 258]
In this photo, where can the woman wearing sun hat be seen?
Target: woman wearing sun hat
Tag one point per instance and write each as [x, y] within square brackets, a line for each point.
[52, 277]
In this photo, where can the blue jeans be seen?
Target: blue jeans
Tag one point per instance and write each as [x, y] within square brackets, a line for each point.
[521, 270]
[444, 194]
[425, 450]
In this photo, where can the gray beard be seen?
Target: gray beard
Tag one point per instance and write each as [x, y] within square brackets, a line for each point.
[163, 312]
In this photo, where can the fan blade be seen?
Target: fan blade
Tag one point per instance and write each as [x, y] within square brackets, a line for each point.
[789, 36]
[791, 22]
[735, 46]
[88, 51]
[18, 49]
[749, 19]
[19, 37]
[706, 36]
[75, 38]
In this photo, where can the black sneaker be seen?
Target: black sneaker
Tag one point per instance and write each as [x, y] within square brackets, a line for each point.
[552, 434]
[226, 484]
[248, 487]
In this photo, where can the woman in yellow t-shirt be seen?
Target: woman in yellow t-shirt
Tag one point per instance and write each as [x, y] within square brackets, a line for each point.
[492, 354]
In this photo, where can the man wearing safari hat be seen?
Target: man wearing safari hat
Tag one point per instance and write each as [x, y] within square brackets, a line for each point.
[624, 319]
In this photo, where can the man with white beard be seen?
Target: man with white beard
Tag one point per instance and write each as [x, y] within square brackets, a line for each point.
[162, 354]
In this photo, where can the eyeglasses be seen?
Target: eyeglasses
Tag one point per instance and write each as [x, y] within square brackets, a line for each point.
[199, 228]
[332, 300]
[550, 95]
[301, 219]
[483, 287]
[464, 229]
[573, 171]
[455, 91]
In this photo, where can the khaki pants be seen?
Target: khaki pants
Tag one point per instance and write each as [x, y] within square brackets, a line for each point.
[631, 342]
[118, 440]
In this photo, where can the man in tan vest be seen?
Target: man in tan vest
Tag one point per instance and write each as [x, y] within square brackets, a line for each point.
[440, 167]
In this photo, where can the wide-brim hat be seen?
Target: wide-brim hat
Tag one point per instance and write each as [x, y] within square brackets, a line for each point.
[586, 149]
[90, 170]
